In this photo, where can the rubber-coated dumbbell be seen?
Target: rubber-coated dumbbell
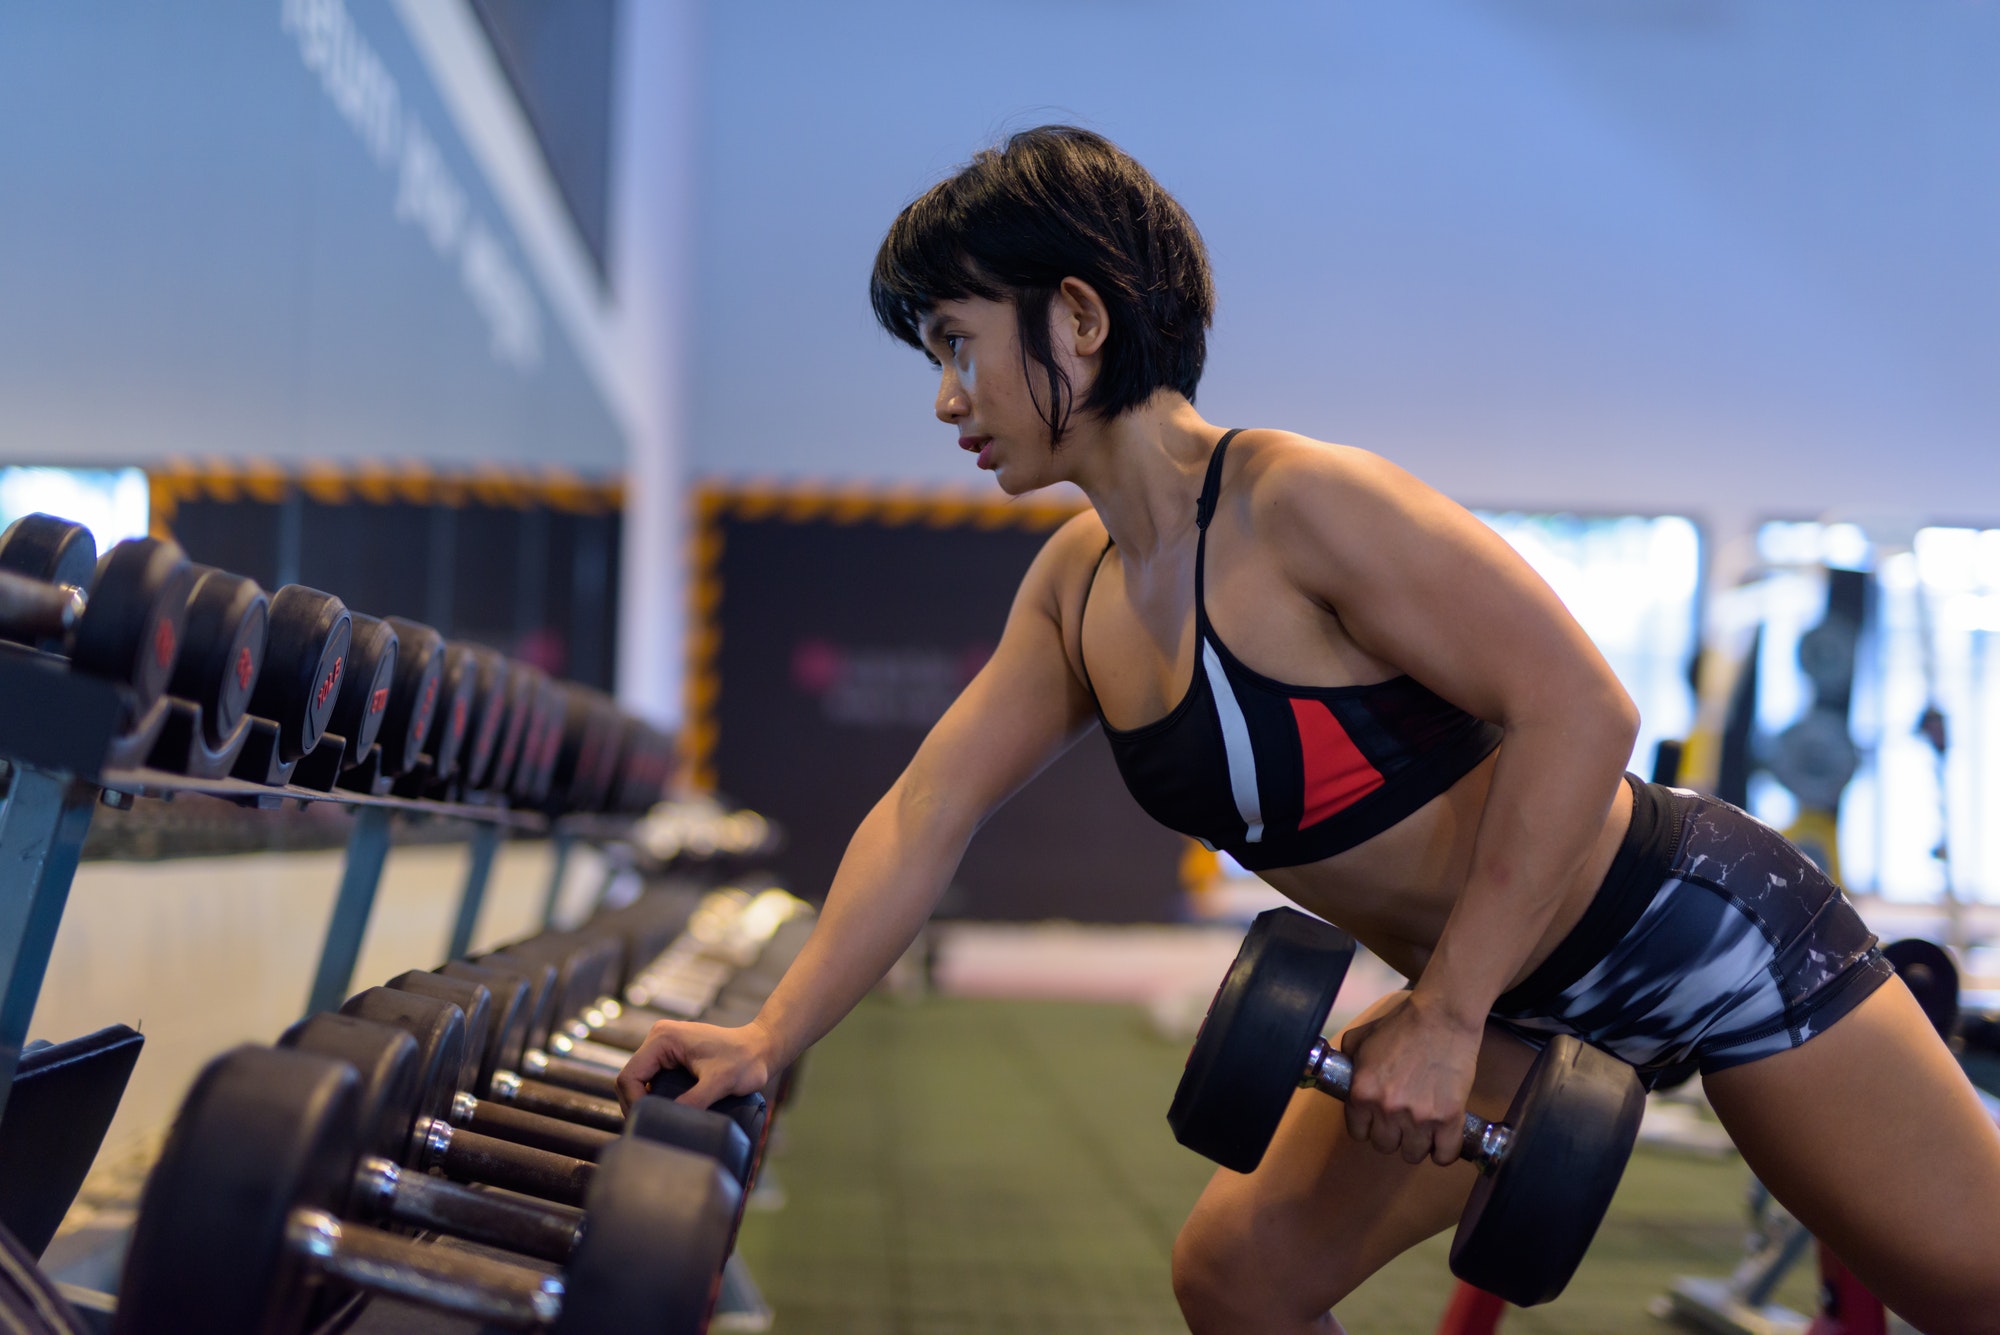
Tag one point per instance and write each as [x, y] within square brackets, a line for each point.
[502, 1080]
[362, 704]
[413, 694]
[127, 629]
[305, 660]
[490, 681]
[1931, 974]
[222, 655]
[397, 1097]
[240, 1223]
[1546, 1172]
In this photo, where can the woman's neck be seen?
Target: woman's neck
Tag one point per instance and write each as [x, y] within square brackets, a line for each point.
[1143, 470]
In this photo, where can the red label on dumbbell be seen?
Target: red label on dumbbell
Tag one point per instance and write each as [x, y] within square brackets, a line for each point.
[245, 669]
[332, 680]
[378, 701]
[163, 643]
[458, 718]
[424, 709]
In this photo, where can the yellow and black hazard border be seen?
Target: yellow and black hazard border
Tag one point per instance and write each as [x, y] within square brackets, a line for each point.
[174, 481]
[717, 503]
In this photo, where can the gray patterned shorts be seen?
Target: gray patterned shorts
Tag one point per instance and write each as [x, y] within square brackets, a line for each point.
[1712, 942]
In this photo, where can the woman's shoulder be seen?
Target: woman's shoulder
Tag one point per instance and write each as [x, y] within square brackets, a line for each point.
[1277, 474]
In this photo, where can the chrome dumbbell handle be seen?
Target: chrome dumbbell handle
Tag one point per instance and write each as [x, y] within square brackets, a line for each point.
[457, 1281]
[1329, 1071]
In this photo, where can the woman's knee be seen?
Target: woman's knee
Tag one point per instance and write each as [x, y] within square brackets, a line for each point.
[1233, 1265]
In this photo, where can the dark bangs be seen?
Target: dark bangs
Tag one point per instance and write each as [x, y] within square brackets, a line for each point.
[1053, 203]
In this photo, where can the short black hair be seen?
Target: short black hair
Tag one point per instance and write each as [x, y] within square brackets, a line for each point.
[1051, 203]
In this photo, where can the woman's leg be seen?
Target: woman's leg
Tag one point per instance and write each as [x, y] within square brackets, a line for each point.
[1871, 1135]
[1274, 1250]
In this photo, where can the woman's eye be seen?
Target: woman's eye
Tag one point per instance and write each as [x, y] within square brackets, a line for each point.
[953, 341]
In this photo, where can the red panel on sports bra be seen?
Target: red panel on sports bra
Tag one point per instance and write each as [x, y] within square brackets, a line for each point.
[1337, 775]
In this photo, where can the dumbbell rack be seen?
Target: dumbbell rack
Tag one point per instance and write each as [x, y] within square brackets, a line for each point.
[56, 730]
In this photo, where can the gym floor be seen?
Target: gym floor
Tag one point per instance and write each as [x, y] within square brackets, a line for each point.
[958, 1165]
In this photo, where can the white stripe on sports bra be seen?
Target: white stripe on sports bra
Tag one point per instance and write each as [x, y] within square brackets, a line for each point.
[1235, 741]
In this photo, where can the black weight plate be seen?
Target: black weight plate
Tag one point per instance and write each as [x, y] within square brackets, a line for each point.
[702, 1130]
[363, 700]
[446, 743]
[1932, 977]
[489, 716]
[55, 551]
[475, 1002]
[131, 630]
[222, 650]
[439, 1028]
[305, 659]
[653, 1248]
[1251, 1050]
[538, 759]
[386, 1061]
[413, 696]
[1527, 1225]
[264, 1131]
[512, 1012]
[519, 709]
[751, 1111]
[540, 977]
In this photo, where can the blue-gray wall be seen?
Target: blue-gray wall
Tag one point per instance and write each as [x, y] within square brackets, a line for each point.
[256, 229]
[1714, 256]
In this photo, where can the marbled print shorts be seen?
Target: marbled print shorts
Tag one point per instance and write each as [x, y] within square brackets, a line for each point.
[1712, 942]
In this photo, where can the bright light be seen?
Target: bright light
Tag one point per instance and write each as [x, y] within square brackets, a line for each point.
[113, 503]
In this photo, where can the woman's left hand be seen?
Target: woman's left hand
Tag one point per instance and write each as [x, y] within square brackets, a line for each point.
[1413, 1070]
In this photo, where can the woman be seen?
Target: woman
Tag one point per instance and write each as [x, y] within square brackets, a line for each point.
[1308, 658]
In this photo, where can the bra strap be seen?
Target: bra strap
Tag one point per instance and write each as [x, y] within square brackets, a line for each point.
[1211, 485]
[1204, 510]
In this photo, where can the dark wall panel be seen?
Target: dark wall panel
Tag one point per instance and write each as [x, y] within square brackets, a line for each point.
[840, 645]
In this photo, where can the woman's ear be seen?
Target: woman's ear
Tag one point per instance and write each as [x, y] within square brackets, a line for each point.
[1082, 316]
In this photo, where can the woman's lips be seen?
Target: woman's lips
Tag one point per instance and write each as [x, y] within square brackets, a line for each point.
[982, 445]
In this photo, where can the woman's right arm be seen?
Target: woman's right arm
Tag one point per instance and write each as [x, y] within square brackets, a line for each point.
[1021, 711]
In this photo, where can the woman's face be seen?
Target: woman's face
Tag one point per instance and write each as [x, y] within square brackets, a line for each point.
[983, 391]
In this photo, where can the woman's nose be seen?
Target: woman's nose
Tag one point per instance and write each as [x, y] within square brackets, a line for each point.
[952, 403]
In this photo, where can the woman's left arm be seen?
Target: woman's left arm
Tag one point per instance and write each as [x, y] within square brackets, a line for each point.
[1419, 583]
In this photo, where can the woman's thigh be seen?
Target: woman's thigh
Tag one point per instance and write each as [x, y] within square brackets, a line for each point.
[1872, 1136]
[1322, 1212]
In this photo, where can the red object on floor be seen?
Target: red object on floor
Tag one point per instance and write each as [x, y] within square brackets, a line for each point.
[1476, 1312]
[1845, 1307]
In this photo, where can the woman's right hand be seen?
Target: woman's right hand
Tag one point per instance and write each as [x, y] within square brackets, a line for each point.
[723, 1061]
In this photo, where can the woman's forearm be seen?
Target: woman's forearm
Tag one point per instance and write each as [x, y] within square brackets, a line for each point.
[896, 866]
[1551, 789]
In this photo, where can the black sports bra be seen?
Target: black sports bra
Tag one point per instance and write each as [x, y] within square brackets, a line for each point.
[1277, 775]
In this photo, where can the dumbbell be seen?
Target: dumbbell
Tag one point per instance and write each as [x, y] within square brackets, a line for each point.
[360, 705]
[222, 655]
[645, 764]
[1546, 1172]
[515, 997]
[240, 1223]
[413, 694]
[490, 681]
[305, 660]
[451, 1021]
[127, 629]
[516, 712]
[1931, 974]
[514, 994]
[400, 1091]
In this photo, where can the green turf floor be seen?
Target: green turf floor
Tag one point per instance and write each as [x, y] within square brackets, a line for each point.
[1005, 1166]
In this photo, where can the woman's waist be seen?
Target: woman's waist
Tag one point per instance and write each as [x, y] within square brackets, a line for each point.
[1396, 892]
